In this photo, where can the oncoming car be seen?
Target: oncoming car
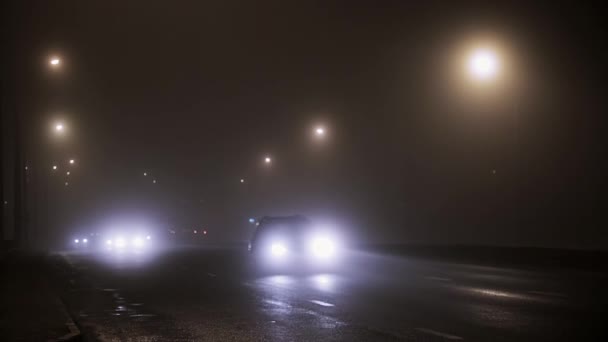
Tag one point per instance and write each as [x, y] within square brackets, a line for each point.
[127, 242]
[293, 241]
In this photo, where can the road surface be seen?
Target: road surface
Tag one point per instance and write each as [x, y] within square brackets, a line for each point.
[212, 294]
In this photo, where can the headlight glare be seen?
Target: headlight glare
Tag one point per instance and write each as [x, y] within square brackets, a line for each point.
[278, 249]
[322, 247]
[138, 242]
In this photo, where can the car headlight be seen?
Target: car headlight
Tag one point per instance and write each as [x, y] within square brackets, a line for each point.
[120, 242]
[278, 249]
[76, 241]
[85, 241]
[138, 242]
[323, 247]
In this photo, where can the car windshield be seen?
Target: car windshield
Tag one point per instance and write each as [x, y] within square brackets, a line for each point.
[290, 227]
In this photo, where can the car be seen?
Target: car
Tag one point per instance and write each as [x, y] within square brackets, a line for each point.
[292, 241]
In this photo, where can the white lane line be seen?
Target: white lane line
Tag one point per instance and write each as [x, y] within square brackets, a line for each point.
[440, 334]
[277, 303]
[318, 302]
[212, 274]
[550, 294]
[438, 278]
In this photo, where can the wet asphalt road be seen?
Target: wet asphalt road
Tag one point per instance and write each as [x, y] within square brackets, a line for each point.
[213, 294]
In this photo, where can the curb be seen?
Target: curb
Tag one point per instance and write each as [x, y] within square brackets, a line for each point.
[69, 322]
[74, 331]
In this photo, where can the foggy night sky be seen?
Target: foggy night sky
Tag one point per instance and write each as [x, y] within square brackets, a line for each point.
[197, 92]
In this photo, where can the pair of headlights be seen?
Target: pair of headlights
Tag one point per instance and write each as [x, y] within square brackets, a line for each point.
[121, 242]
[84, 241]
[319, 247]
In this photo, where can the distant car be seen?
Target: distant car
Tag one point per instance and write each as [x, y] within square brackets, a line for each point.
[293, 241]
[127, 242]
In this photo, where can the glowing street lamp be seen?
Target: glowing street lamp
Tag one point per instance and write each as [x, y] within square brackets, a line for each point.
[72, 161]
[320, 131]
[54, 167]
[59, 128]
[483, 64]
[242, 180]
[267, 160]
[54, 62]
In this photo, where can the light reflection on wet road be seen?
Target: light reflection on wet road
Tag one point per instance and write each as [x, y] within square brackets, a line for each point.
[212, 294]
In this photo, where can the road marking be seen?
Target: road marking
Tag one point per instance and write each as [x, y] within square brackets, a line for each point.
[438, 278]
[276, 302]
[440, 334]
[318, 302]
[212, 274]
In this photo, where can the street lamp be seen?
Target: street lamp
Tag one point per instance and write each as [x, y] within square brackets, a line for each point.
[267, 160]
[59, 128]
[320, 131]
[72, 161]
[242, 180]
[54, 62]
[54, 167]
[483, 64]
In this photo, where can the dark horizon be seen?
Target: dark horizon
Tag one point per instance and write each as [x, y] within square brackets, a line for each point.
[197, 94]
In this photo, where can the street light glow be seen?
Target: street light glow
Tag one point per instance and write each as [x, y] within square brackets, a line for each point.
[320, 131]
[483, 64]
[242, 180]
[54, 61]
[54, 167]
[267, 160]
[59, 127]
[71, 161]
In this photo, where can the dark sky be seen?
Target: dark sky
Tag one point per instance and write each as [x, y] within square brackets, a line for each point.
[197, 92]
